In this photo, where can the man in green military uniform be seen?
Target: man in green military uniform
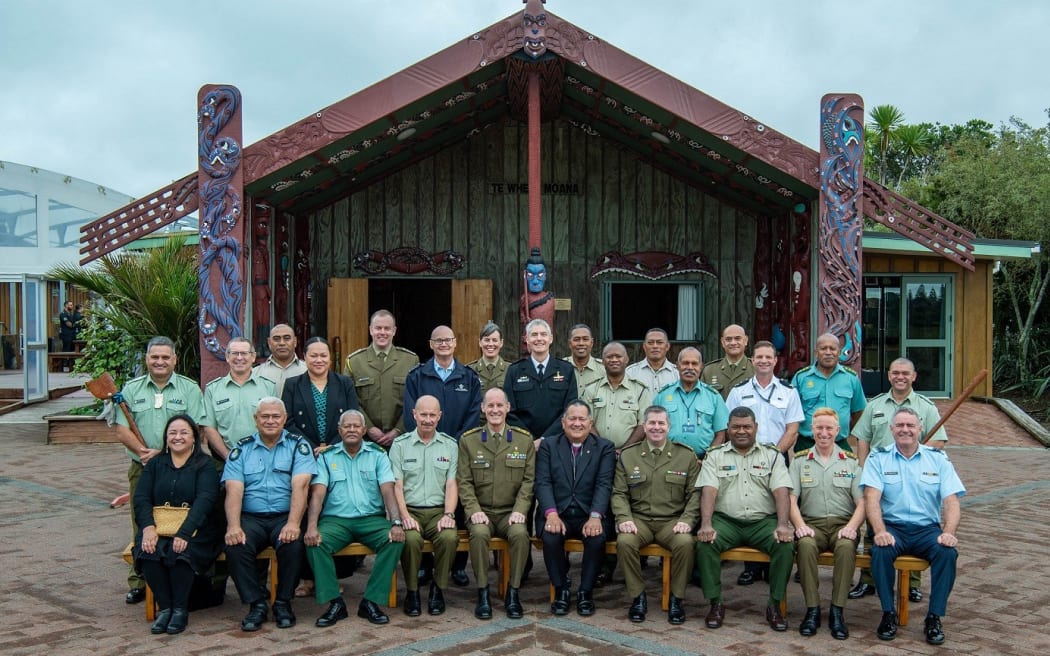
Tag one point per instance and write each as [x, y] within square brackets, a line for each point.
[424, 462]
[827, 510]
[229, 401]
[496, 473]
[618, 402]
[734, 367]
[379, 371]
[872, 431]
[588, 368]
[653, 500]
[152, 400]
[827, 384]
[490, 367]
[744, 501]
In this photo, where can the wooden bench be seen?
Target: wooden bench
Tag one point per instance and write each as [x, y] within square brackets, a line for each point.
[904, 565]
[57, 359]
[576, 546]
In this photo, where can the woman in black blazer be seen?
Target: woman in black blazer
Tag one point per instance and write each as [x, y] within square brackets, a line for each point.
[315, 400]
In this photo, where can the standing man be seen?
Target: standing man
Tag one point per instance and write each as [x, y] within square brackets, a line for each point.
[266, 478]
[619, 402]
[352, 500]
[490, 367]
[911, 495]
[283, 363]
[655, 371]
[872, 431]
[229, 401]
[744, 502]
[588, 368]
[67, 326]
[653, 500]
[827, 384]
[827, 510]
[697, 413]
[424, 462]
[153, 399]
[457, 388]
[574, 475]
[725, 373]
[379, 371]
[496, 474]
[539, 387]
[778, 412]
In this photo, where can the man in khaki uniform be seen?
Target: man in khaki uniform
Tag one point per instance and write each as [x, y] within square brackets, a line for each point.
[490, 367]
[229, 401]
[744, 501]
[617, 402]
[424, 464]
[283, 363]
[827, 510]
[654, 371]
[734, 367]
[872, 431]
[496, 473]
[379, 371]
[588, 368]
[653, 500]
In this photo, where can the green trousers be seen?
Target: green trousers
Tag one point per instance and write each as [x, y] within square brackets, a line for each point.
[498, 526]
[825, 538]
[336, 533]
[444, 542]
[662, 533]
[731, 533]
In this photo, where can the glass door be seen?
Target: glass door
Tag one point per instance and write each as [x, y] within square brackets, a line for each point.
[34, 338]
[927, 332]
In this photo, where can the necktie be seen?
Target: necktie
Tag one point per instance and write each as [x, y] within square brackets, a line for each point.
[539, 370]
[656, 452]
[575, 452]
[382, 355]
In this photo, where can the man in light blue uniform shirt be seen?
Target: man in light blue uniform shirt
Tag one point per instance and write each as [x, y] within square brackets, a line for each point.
[697, 413]
[827, 384]
[911, 495]
[352, 500]
[266, 478]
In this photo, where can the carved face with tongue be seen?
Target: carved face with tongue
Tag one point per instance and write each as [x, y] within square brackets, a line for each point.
[535, 44]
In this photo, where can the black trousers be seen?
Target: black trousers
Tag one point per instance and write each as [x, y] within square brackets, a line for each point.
[557, 560]
[261, 531]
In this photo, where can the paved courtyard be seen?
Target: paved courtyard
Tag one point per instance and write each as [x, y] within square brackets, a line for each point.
[63, 580]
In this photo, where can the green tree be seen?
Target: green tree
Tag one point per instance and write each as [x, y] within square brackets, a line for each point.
[144, 295]
[885, 119]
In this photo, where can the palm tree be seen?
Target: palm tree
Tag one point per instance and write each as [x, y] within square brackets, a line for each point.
[885, 119]
[913, 142]
[146, 294]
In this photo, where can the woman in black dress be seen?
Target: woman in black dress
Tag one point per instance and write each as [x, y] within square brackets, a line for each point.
[181, 474]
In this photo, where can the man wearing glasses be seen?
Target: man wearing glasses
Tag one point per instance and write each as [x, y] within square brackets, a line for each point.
[229, 401]
[456, 387]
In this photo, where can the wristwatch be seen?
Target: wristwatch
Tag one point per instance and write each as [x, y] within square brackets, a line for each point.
[396, 522]
[596, 515]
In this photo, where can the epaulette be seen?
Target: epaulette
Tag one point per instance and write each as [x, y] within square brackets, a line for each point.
[405, 350]
[713, 362]
[522, 359]
[848, 370]
[743, 382]
[360, 350]
[847, 454]
[924, 398]
[137, 378]
[802, 370]
[883, 449]
[767, 445]
[245, 440]
[417, 366]
[631, 446]
[465, 433]
[785, 383]
[666, 387]
[802, 454]
[185, 378]
[212, 382]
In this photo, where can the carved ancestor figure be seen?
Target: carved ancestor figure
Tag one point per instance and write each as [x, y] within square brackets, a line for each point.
[536, 301]
[261, 275]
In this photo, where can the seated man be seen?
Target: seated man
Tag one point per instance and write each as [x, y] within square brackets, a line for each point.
[654, 501]
[574, 474]
[496, 472]
[424, 461]
[267, 476]
[352, 500]
[744, 501]
[827, 509]
[909, 491]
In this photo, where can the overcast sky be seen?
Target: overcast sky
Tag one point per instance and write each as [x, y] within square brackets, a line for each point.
[105, 90]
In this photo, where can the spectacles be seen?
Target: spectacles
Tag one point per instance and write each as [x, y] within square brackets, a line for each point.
[239, 354]
[442, 341]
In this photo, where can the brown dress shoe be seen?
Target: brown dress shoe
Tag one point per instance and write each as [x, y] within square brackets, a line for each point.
[775, 619]
[716, 615]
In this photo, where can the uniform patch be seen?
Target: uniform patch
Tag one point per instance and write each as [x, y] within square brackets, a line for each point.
[303, 448]
[236, 453]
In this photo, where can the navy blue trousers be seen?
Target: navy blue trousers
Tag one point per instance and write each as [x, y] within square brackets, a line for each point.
[921, 541]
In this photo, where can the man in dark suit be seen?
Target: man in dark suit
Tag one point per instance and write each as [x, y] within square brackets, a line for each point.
[539, 386]
[574, 475]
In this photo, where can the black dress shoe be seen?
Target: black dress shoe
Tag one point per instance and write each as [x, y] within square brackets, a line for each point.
[180, 618]
[639, 607]
[255, 618]
[675, 611]
[336, 611]
[436, 601]
[584, 603]
[459, 577]
[483, 610]
[811, 622]
[283, 616]
[513, 605]
[560, 605]
[160, 625]
[915, 595]
[135, 596]
[747, 577]
[861, 590]
[776, 619]
[715, 615]
[934, 632]
[371, 612]
[837, 623]
[888, 626]
[412, 608]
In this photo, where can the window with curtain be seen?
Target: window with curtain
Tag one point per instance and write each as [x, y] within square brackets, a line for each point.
[630, 308]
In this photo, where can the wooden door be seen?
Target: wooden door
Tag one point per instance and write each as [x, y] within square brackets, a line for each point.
[471, 309]
[347, 318]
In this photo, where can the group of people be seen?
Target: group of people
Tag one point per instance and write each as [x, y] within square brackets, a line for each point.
[698, 459]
